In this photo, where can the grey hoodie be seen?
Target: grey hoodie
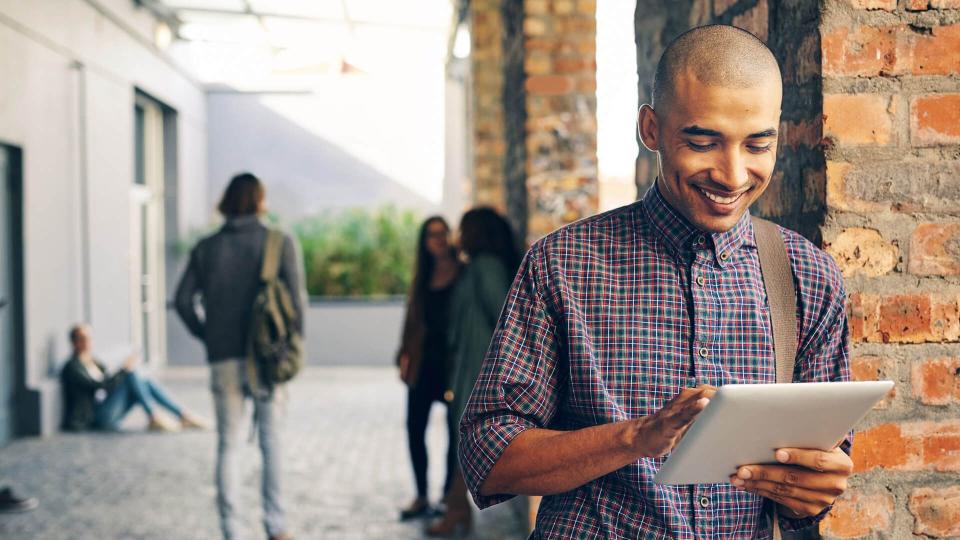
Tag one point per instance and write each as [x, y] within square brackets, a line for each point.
[216, 292]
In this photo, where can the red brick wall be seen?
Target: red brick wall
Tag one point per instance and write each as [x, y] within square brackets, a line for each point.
[891, 110]
[560, 67]
[559, 71]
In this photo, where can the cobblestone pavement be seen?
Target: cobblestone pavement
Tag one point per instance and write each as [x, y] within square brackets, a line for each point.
[347, 470]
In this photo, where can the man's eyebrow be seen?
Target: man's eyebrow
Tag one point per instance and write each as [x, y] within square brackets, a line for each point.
[772, 132]
[700, 131]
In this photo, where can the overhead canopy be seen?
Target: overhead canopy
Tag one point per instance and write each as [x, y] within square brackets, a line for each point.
[288, 44]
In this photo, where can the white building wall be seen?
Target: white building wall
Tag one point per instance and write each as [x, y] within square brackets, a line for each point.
[50, 52]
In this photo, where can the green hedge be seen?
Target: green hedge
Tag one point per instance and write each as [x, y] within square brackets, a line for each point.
[360, 253]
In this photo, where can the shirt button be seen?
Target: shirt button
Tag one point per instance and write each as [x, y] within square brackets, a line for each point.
[724, 256]
[704, 501]
[703, 352]
[701, 240]
[700, 281]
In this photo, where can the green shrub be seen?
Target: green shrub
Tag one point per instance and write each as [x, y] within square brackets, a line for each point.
[358, 252]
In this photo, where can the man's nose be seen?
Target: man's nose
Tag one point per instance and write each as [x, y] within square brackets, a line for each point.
[732, 173]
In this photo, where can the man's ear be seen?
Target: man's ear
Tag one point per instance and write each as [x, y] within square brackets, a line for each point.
[648, 128]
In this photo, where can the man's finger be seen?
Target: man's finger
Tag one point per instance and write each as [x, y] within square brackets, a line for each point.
[799, 507]
[680, 418]
[788, 491]
[833, 483]
[834, 461]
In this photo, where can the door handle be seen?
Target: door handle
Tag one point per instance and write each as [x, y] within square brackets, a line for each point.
[3, 303]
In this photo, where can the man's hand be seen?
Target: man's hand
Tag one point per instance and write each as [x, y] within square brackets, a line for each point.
[806, 483]
[661, 431]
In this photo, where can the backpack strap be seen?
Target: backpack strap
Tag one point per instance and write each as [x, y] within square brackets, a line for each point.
[271, 255]
[782, 297]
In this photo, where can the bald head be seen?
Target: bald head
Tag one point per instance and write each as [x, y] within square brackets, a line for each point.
[714, 55]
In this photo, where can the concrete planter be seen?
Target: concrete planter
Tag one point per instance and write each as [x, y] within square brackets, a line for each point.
[339, 332]
[354, 332]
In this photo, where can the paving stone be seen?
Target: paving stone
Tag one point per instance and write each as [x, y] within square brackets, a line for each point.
[346, 475]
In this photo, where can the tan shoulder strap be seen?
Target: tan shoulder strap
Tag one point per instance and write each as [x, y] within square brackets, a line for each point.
[271, 255]
[781, 295]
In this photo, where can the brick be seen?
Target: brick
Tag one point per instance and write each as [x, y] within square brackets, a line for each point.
[863, 252]
[935, 249]
[938, 443]
[935, 119]
[875, 368]
[936, 512]
[902, 185]
[864, 314]
[882, 447]
[837, 196]
[574, 65]
[905, 318]
[536, 7]
[945, 4]
[793, 135]
[936, 381]
[535, 26]
[915, 446]
[563, 7]
[859, 514]
[936, 53]
[755, 20]
[548, 85]
[587, 7]
[887, 5]
[857, 119]
[537, 64]
[918, 5]
[859, 51]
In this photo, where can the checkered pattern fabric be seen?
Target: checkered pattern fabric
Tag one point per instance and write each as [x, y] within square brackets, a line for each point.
[611, 317]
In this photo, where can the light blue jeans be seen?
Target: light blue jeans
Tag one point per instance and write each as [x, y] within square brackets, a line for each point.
[135, 389]
[227, 380]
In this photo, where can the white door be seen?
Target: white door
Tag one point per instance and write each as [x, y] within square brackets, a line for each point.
[146, 228]
[7, 261]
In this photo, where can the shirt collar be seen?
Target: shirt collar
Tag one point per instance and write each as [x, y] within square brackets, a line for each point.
[241, 222]
[682, 237]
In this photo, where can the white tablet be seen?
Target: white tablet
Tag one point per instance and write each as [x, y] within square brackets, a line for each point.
[744, 424]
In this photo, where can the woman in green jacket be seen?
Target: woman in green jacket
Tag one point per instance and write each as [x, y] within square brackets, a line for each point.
[488, 246]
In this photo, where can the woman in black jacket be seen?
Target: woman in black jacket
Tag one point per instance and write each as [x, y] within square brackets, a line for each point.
[423, 351]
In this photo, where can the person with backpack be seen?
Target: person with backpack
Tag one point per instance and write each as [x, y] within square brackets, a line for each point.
[247, 277]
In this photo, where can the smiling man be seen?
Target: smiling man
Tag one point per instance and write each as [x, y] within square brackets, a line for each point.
[619, 328]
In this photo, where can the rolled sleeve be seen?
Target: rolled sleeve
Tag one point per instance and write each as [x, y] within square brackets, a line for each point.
[517, 388]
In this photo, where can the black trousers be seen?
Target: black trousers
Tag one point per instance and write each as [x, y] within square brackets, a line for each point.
[420, 399]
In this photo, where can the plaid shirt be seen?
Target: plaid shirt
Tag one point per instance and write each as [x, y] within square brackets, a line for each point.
[607, 320]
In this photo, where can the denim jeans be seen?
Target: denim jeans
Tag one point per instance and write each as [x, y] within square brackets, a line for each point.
[227, 381]
[135, 389]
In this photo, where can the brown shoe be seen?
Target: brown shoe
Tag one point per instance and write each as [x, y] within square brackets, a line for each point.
[458, 519]
[281, 536]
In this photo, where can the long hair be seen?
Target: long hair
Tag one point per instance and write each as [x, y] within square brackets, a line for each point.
[243, 196]
[484, 231]
[425, 263]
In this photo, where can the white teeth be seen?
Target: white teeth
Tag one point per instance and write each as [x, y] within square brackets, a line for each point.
[718, 199]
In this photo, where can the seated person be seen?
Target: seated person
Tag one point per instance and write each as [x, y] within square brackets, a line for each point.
[95, 399]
